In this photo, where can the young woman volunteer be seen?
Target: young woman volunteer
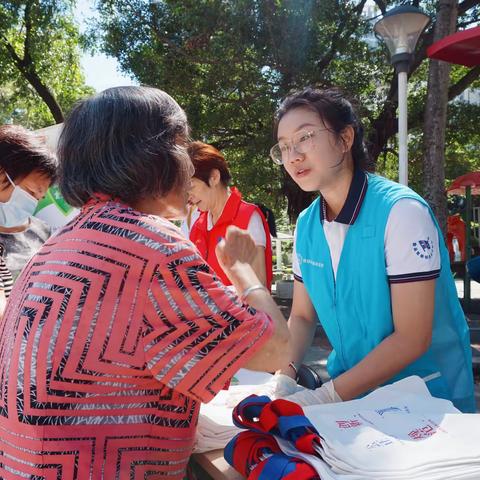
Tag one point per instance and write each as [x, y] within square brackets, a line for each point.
[370, 264]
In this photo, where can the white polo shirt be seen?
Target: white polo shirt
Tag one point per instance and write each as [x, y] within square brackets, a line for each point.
[411, 238]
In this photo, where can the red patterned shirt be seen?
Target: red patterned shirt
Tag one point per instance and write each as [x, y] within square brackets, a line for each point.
[114, 333]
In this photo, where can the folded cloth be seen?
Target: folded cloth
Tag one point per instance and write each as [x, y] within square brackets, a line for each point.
[215, 427]
[283, 467]
[212, 433]
[278, 417]
[398, 432]
[248, 449]
[278, 386]
[257, 456]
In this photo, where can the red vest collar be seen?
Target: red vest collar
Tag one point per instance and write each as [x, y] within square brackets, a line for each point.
[230, 210]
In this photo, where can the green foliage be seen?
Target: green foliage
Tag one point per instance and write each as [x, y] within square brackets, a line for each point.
[229, 62]
[43, 34]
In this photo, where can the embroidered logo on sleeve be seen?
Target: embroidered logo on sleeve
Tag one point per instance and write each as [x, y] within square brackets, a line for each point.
[423, 248]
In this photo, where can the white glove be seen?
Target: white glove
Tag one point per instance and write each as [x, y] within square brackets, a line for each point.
[325, 394]
[278, 386]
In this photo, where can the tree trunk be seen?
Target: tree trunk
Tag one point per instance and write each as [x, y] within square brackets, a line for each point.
[436, 118]
[45, 93]
[27, 68]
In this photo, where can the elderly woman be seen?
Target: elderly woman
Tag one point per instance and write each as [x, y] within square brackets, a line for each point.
[220, 206]
[118, 328]
[27, 168]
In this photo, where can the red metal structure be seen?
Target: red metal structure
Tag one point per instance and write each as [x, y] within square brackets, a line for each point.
[461, 48]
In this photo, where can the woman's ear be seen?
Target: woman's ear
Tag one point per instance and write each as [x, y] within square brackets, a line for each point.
[214, 179]
[4, 183]
[347, 137]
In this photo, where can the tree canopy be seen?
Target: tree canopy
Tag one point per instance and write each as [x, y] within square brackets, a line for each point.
[229, 62]
[40, 73]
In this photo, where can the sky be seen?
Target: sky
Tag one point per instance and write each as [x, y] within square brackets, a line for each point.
[100, 71]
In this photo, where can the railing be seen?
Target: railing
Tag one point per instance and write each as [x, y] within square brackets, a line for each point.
[277, 250]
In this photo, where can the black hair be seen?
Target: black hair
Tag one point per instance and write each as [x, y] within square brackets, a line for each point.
[126, 142]
[22, 152]
[336, 112]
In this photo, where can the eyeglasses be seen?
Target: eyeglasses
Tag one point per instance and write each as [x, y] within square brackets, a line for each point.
[301, 142]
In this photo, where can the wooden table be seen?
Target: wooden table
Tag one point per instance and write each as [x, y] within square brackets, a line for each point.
[216, 466]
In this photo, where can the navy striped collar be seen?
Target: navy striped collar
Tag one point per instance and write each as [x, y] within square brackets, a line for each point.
[353, 203]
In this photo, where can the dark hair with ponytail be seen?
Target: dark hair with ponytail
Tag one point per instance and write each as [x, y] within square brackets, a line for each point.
[337, 113]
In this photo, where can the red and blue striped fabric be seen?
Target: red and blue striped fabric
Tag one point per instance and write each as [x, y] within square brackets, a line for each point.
[256, 454]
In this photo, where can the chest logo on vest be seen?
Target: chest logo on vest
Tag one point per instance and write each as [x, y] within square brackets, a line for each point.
[302, 260]
[423, 248]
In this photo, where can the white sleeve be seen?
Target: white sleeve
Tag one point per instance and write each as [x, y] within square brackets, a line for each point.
[184, 228]
[295, 263]
[411, 243]
[188, 222]
[257, 231]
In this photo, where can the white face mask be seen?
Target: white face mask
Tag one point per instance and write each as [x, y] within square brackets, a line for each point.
[18, 209]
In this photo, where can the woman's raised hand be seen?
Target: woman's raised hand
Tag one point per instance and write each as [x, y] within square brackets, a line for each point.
[237, 247]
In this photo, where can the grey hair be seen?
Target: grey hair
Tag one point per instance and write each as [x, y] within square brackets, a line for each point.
[126, 142]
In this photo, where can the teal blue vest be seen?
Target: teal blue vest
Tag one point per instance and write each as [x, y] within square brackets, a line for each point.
[355, 309]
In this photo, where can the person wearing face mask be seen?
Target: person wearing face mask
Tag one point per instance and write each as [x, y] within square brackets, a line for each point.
[27, 169]
[370, 264]
[216, 206]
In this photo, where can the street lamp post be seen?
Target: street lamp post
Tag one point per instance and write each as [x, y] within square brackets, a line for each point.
[400, 29]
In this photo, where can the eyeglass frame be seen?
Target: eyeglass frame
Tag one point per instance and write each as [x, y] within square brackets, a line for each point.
[290, 142]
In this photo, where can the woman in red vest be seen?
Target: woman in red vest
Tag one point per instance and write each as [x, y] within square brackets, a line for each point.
[218, 206]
